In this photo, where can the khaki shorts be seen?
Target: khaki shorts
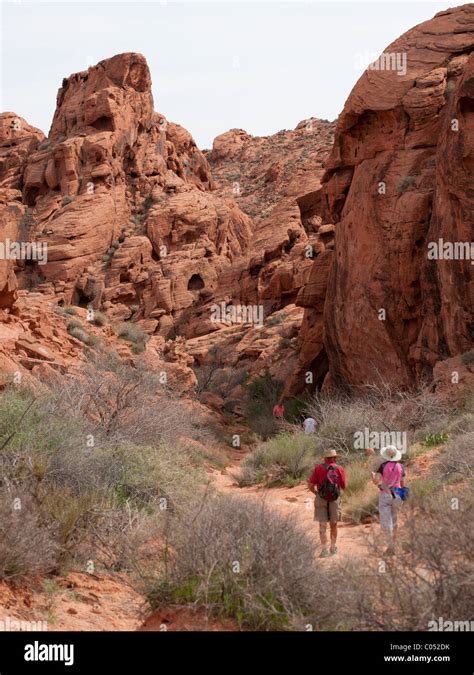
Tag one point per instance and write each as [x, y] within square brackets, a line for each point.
[327, 512]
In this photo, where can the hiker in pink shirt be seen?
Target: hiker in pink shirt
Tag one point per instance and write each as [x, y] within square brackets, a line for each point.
[389, 479]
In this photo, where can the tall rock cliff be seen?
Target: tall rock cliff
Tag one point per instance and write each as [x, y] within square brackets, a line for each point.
[400, 178]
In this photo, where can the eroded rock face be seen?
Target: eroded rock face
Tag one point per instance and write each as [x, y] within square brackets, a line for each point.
[122, 199]
[266, 176]
[17, 141]
[400, 176]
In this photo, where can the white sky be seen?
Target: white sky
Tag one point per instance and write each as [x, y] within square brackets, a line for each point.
[260, 66]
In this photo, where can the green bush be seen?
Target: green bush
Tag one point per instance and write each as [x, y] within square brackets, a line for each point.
[67, 200]
[433, 440]
[283, 459]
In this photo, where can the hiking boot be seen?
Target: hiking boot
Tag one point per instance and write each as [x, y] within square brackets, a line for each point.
[333, 550]
[324, 553]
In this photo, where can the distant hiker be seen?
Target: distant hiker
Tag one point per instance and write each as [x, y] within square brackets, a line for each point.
[327, 482]
[279, 411]
[389, 479]
[309, 426]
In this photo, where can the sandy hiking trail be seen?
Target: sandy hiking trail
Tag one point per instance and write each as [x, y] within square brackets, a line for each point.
[299, 503]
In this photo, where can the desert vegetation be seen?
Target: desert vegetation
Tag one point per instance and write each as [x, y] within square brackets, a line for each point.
[109, 468]
[85, 464]
[288, 457]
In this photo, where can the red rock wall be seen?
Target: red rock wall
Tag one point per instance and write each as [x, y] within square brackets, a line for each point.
[400, 175]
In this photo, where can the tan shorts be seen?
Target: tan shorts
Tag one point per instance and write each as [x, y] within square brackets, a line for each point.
[327, 512]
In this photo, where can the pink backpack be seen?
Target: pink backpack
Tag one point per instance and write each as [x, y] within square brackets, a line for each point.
[392, 474]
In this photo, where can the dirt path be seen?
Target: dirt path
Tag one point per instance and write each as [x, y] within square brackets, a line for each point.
[298, 501]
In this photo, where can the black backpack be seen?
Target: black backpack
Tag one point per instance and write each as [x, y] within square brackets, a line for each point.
[330, 490]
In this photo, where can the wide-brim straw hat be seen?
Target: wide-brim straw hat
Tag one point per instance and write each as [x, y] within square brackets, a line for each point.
[329, 453]
[391, 453]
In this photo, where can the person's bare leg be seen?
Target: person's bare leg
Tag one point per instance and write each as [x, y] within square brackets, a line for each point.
[323, 536]
[333, 527]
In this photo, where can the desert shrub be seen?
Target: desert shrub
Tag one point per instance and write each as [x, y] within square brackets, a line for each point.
[131, 332]
[73, 488]
[276, 319]
[339, 419]
[380, 409]
[68, 309]
[433, 440]
[458, 457]
[430, 576]
[98, 318]
[450, 86]
[67, 200]
[233, 561]
[73, 324]
[218, 380]
[27, 546]
[285, 458]
[81, 334]
[262, 394]
[126, 402]
[44, 145]
[295, 408]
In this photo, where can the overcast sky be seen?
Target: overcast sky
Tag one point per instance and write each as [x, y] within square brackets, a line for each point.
[259, 66]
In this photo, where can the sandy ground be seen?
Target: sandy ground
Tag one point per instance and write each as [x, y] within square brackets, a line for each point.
[78, 601]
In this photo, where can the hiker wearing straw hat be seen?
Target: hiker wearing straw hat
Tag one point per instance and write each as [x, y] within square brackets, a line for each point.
[389, 478]
[326, 483]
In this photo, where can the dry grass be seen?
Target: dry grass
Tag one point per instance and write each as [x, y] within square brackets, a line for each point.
[283, 459]
[431, 576]
[84, 455]
[241, 559]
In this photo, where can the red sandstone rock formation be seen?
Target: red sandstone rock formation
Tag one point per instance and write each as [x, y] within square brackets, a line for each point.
[400, 175]
[137, 226]
[122, 199]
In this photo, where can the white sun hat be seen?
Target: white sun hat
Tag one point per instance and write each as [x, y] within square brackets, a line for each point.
[391, 453]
